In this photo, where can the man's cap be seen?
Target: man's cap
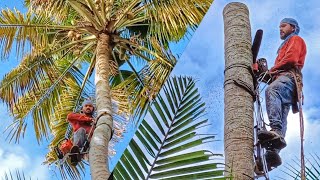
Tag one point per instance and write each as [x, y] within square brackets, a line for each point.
[87, 102]
[292, 22]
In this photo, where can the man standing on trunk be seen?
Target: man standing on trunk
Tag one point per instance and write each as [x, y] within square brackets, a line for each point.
[283, 91]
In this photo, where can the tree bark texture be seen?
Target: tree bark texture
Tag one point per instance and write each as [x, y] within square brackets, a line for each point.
[98, 154]
[238, 102]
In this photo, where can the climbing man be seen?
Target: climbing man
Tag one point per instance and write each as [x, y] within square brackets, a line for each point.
[284, 89]
[82, 130]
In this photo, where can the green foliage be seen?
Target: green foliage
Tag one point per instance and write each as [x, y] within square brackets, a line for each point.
[19, 175]
[168, 143]
[312, 169]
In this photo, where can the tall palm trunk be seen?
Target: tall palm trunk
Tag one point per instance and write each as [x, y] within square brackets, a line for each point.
[99, 143]
[238, 102]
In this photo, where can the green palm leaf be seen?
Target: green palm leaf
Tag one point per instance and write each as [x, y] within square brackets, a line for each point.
[19, 175]
[160, 151]
[312, 169]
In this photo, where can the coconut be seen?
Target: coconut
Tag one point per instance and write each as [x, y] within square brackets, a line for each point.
[71, 34]
[78, 36]
[130, 15]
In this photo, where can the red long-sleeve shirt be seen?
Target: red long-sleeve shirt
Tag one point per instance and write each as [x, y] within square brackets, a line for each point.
[292, 54]
[80, 120]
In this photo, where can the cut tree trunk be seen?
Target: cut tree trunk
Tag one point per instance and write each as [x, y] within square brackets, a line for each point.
[238, 102]
[98, 154]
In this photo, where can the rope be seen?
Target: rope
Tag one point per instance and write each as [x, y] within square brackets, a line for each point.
[240, 83]
[303, 173]
[298, 81]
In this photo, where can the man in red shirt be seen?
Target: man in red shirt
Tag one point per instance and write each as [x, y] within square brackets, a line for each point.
[82, 130]
[282, 92]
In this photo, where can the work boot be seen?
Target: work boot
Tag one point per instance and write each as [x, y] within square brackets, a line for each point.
[271, 139]
[75, 155]
[273, 159]
[266, 135]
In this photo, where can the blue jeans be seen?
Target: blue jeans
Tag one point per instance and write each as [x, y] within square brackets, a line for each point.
[279, 97]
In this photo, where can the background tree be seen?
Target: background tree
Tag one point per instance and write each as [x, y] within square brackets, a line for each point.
[64, 34]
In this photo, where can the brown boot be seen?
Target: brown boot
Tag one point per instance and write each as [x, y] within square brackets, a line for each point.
[271, 139]
[75, 156]
[266, 135]
[273, 159]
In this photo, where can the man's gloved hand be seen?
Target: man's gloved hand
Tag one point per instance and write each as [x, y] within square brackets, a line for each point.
[262, 65]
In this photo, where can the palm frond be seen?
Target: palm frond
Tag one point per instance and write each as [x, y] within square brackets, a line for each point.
[166, 146]
[88, 14]
[170, 19]
[23, 29]
[26, 76]
[135, 93]
[19, 175]
[40, 98]
[59, 9]
[312, 168]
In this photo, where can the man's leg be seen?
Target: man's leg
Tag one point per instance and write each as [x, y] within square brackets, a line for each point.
[285, 112]
[279, 97]
[79, 137]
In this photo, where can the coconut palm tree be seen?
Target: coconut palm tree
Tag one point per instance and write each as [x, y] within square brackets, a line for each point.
[168, 143]
[71, 39]
[238, 101]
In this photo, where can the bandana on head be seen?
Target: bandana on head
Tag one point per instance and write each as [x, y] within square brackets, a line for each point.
[292, 22]
[86, 102]
[296, 30]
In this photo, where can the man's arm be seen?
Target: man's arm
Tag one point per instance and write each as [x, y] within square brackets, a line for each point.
[78, 117]
[292, 54]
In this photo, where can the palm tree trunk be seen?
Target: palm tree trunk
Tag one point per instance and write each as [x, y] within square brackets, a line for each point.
[98, 154]
[238, 102]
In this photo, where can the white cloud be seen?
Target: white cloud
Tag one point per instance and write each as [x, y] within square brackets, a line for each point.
[11, 161]
[311, 133]
[15, 158]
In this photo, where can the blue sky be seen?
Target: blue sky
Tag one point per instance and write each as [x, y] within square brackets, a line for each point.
[203, 58]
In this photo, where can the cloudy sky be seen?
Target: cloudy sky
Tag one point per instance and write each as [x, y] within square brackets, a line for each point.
[203, 58]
